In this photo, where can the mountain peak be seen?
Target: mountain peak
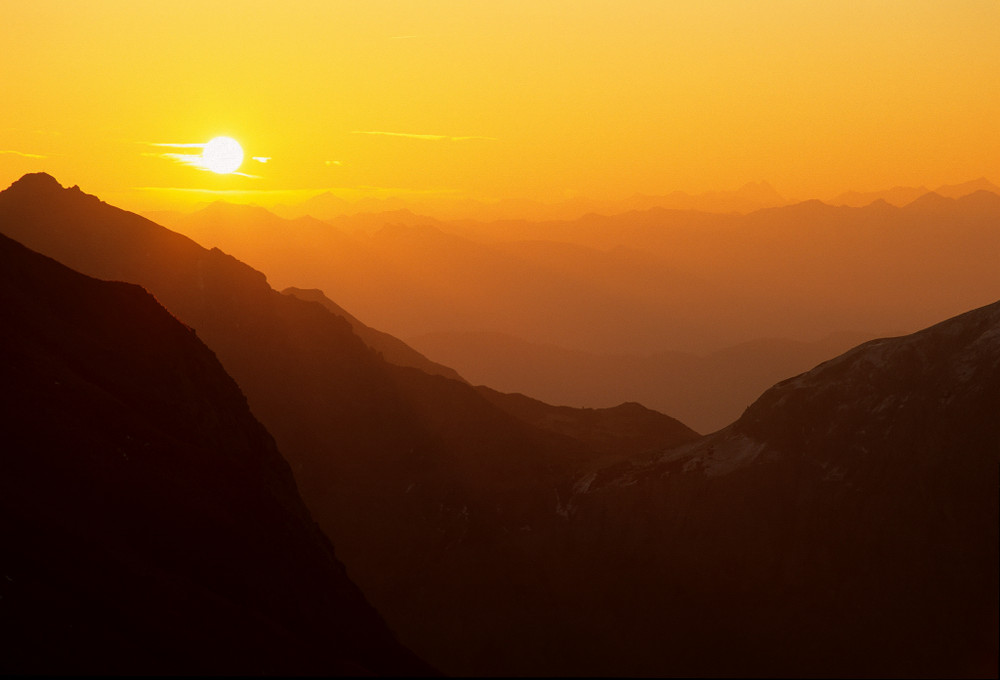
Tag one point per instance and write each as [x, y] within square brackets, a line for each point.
[36, 182]
[41, 188]
[932, 200]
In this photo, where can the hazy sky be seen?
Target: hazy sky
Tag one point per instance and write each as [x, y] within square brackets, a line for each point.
[504, 98]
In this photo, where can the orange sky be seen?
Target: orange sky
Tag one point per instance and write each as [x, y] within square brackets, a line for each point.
[498, 99]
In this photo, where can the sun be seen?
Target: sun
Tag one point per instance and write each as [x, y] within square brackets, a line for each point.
[222, 155]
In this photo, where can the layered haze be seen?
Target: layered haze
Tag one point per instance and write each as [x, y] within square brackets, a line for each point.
[500, 339]
[451, 103]
[689, 312]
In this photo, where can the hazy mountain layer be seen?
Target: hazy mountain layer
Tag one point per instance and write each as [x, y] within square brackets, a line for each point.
[706, 392]
[392, 349]
[900, 196]
[149, 524]
[677, 310]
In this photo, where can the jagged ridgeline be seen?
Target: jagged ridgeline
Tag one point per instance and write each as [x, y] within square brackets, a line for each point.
[845, 525]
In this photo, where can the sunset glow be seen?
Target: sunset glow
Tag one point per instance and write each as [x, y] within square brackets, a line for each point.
[500, 338]
[513, 100]
[222, 155]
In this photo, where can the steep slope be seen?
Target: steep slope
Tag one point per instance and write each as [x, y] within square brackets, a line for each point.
[847, 524]
[442, 506]
[149, 524]
[393, 350]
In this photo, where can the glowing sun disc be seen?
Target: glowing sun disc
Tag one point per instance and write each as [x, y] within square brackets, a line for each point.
[222, 155]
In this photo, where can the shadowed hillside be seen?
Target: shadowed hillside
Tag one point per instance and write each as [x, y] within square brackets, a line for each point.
[846, 525]
[392, 349]
[149, 524]
[437, 500]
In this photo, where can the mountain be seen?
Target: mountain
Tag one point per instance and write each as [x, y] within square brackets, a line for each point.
[393, 350]
[442, 506]
[900, 196]
[327, 206]
[846, 525]
[149, 523]
[966, 188]
[705, 391]
[748, 198]
[644, 282]
[620, 431]
[897, 196]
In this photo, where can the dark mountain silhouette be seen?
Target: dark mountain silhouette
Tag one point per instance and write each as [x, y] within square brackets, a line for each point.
[149, 524]
[393, 350]
[620, 431]
[440, 504]
[845, 525]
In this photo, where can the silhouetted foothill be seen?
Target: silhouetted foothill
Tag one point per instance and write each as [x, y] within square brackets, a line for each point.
[149, 524]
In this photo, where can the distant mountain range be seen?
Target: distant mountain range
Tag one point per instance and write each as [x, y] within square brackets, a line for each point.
[687, 312]
[748, 198]
[326, 205]
[706, 392]
[846, 524]
[900, 196]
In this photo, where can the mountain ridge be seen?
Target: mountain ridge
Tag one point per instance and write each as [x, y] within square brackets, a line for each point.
[498, 548]
[136, 493]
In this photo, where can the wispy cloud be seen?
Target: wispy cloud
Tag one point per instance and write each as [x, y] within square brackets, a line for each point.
[350, 192]
[194, 160]
[179, 146]
[433, 138]
[11, 152]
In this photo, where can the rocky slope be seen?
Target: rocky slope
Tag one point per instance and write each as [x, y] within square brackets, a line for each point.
[847, 524]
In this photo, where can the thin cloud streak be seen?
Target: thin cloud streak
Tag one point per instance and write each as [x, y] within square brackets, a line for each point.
[362, 189]
[193, 160]
[180, 146]
[433, 138]
[11, 152]
[196, 160]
